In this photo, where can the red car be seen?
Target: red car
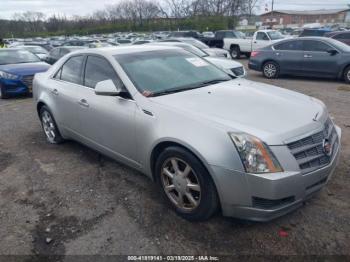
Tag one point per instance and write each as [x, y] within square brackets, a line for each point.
[342, 36]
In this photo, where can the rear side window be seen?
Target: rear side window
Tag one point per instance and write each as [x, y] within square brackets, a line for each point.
[71, 70]
[290, 46]
[316, 46]
[99, 69]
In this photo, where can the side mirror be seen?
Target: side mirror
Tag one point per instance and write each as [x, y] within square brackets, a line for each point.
[107, 88]
[332, 52]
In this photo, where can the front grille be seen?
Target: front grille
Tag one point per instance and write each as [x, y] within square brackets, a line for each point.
[239, 71]
[271, 203]
[28, 81]
[310, 152]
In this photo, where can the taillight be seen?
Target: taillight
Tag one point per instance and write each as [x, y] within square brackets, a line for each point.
[254, 53]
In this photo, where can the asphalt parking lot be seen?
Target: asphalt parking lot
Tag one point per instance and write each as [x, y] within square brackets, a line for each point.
[68, 199]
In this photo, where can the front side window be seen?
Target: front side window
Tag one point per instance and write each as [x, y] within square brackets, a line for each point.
[316, 46]
[163, 71]
[71, 70]
[99, 69]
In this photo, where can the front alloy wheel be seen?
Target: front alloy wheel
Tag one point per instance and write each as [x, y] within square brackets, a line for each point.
[186, 184]
[181, 184]
[49, 126]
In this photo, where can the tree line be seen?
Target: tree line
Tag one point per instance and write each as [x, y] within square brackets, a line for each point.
[133, 15]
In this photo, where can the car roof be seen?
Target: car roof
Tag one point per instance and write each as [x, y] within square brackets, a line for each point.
[125, 49]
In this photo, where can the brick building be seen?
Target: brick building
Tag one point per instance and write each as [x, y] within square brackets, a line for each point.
[289, 18]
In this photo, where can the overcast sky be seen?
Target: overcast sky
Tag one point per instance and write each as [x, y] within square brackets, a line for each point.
[83, 7]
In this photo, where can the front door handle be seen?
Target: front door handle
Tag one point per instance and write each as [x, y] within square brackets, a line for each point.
[55, 92]
[307, 56]
[83, 103]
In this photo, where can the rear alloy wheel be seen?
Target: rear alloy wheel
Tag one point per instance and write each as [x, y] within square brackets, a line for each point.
[347, 75]
[48, 123]
[235, 52]
[186, 184]
[270, 70]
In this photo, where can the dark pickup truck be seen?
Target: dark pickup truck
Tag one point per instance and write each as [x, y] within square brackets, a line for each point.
[218, 40]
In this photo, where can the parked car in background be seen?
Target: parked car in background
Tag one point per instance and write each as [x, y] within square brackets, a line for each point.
[230, 66]
[208, 34]
[59, 52]
[141, 42]
[191, 33]
[307, 56]
[99, 44]
[36, 50]
[210, 142]
[192, 41]
[314, 32]
[218, 39]
[45, 45]
[17, 70]
[78, 42]
[342, 36]
[260, 39]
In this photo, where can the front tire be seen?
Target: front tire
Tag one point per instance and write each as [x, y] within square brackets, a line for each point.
[49, 126]
[347, 75]
[270, 70]
[186, 184]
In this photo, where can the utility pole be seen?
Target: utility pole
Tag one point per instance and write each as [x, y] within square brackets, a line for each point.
[272, 3]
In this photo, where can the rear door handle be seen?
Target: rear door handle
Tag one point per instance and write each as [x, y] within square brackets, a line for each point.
[307, 56]
[55, 92]
[83, 103]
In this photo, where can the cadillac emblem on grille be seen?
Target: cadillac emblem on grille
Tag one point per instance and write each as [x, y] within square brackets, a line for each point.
[327, 147]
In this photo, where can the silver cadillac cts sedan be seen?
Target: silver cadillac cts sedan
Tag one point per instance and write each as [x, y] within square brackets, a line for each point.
[209, 141]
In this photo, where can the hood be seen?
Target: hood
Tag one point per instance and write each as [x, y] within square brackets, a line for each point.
[223, 62]
[25, 68]
[272, 114]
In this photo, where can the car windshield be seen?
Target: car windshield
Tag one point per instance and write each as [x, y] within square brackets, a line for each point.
[36, 49]
[163, 72]
[274, 35]
[17, 57]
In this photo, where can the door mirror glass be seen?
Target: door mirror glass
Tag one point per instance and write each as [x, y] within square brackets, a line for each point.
[332, 51]
[107, 88]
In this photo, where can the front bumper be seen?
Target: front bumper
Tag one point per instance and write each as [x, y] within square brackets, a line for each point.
[264, 197]
[15, 87]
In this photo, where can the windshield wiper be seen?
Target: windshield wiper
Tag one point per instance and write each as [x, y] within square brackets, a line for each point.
[199, 85]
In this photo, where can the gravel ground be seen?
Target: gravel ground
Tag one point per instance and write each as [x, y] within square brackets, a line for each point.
[69, 200]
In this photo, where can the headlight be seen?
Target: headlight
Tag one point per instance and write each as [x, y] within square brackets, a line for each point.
[7, 75]
[256, 156]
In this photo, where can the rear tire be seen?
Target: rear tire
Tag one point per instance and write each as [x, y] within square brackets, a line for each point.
[49, 126]
[191, 194]
[235, 52]
[270, 70]
[346, 75]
